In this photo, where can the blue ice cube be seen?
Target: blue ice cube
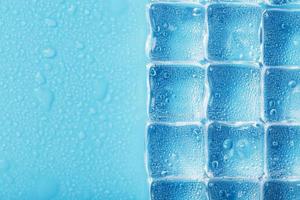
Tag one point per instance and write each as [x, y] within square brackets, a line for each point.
[282, 94]
[227, 189]
[283, 151]
[281, 37]
[281, 190]
[235, 92]
[177, 31]
[236, 150]
[282, 2]
[234, 32]
[176, 92]
[176, 151]
[178, 190]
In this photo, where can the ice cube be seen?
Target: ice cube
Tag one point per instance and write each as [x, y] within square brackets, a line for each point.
[234, 32]
[175, 151]
[176, 92]
[281, 190]
[231, 189]
[234, 92]
[281, 37]
[282, 94]
[283, 151]
[236, 150]
[177, 31]
[178, 190]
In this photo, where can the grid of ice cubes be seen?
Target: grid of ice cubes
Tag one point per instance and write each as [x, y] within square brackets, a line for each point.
[223, 100]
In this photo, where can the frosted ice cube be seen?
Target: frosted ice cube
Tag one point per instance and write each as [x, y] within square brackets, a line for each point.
[178, 190]
[176, 151]
[281, 190]
[281, 37]
[177, 31]
[282, 94]
[236, 150]
[176, 92]
[283, 151]
[235, 92]
[234, 32]
[227, 189]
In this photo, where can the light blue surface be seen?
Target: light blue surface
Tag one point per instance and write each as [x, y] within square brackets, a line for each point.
[177, 31]
[234, 92]
[176, 151]
[283, 159]
[233, 32]
[233, 189]
[282, 94]
[236, 150]
[282, 190]
[73, 100]
[178, 190]
[176, 93]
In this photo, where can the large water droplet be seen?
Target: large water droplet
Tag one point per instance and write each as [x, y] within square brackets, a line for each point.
[49, 53]
[45, 97]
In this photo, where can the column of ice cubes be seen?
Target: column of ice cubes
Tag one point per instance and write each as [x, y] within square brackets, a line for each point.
[235, 133]
[176, 94]
[281, 59]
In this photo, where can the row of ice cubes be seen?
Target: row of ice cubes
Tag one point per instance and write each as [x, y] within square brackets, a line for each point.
[221, 189]
[224, 32]
[223, 150]
[275, 2]
[232, 93]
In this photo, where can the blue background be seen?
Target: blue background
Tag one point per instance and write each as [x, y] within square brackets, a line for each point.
[72, 99]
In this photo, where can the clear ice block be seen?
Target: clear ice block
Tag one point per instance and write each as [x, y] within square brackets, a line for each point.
[234, 92]
[176, 92]
[175, 151]
[283, 151]
[281, 190]
[236, 150]
[282, 95]
[231, 189]
[177, 31]
[234, 32]
[178, 190]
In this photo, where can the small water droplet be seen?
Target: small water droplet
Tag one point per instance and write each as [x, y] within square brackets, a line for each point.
[50, 22]
[196, 11]
[215, 164]
[227, 144]
[273, 112]
[49, 52]
[40, 79]
[292, 84]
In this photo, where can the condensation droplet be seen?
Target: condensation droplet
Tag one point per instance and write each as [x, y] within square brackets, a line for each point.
[49, 53]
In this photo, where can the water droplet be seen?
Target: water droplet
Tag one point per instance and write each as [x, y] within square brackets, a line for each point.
[273, 112]
[40, 79]
[45, 97]
[196, 11]
[49, 53]
[275, 143]
[50, 22]
[152, 72]
[215, 164]
[101, 89]
[292, 84]
[227, 144]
